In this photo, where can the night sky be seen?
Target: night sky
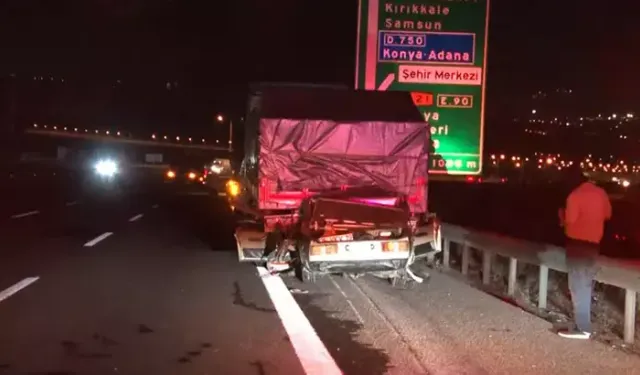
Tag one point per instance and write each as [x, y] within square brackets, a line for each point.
[212, 51]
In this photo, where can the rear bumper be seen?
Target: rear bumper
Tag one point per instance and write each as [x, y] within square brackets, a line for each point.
[349, 257]
[361, 266]
[251, 241]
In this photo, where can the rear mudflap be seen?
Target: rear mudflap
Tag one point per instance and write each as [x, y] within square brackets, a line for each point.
[251, 241]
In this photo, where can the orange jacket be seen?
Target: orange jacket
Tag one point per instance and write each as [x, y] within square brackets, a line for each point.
[587, 209]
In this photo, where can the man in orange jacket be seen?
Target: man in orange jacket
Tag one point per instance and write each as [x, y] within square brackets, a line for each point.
[586, 211]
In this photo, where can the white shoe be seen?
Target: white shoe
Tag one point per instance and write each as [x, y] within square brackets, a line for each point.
[577, 335]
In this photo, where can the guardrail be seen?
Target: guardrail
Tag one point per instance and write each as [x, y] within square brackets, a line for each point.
[122, 139]
[611, 271]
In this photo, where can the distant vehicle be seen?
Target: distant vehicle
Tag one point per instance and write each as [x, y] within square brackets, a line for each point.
[183, 175]
[106, 174]
[216, 174]
[335, 182]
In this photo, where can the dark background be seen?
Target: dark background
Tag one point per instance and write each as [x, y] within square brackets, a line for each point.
[168, 64]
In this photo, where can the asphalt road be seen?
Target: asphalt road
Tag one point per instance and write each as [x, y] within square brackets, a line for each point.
[163, 293]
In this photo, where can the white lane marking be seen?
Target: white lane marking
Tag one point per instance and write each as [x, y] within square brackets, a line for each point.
[155, 206]
[353, 308]
[313, 355]
[25, 214]
[69, 204]
[101, 237]
[136, 218]
[15, 288]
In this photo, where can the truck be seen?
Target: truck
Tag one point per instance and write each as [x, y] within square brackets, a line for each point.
[334, 181]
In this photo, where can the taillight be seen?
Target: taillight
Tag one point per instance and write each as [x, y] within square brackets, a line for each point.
[233, 188]
[324, 249]
[395, 247]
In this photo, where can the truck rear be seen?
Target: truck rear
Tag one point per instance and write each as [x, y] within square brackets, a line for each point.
[335, 180]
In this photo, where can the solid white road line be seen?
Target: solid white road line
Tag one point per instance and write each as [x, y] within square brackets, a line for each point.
[313, 355]
[15, 288]
[351, 305]
[101, 237]
[25, 214]
[136, 218]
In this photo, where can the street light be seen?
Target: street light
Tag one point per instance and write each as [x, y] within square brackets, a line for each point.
[220, 118]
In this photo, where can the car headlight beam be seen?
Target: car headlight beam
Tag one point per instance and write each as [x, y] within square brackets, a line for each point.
[106, 168]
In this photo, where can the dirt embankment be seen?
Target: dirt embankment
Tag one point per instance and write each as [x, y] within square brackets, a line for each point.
[607, 303]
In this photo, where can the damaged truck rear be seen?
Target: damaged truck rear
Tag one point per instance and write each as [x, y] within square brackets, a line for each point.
[334, 181]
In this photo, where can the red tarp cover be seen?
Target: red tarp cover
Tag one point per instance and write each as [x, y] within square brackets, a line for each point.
[319, 155]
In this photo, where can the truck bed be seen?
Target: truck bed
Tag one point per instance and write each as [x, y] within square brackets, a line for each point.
[309, 140]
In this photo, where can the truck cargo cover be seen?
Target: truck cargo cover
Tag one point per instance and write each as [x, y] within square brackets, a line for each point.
[341, 138]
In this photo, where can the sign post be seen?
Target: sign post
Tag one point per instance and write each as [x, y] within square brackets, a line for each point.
[437, 50]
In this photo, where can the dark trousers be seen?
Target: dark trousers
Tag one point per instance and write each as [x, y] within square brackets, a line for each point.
[582, 269]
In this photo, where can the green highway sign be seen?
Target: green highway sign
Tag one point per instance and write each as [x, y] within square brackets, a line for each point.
[437, 50]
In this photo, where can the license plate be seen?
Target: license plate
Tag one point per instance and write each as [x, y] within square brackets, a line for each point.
[337, 238]
[359, 248]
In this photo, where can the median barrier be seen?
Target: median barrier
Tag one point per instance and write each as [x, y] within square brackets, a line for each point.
[34, 183]
[614, 272]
